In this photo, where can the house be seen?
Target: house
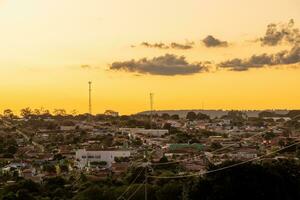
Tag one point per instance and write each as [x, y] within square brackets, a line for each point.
[244, 154]
[119, 167]
[111, 113]
[146, 132]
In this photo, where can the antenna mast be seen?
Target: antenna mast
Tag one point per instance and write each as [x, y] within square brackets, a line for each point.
[90, 97]
[151, 109]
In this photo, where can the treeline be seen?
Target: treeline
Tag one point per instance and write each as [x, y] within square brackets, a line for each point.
[292, 114]
[233, 114]
[276, 180]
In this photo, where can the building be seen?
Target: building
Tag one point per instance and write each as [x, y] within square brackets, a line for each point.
[111, 113]
[146, 132]
[184, 147]
[242, 154]
[86, 157]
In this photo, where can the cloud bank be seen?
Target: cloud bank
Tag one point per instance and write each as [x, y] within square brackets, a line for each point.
[263, 60]
[278, 33]
[166, 65]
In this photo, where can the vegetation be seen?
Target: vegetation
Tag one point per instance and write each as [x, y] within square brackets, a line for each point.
[267, 180]
[8, 146]
[193, 116]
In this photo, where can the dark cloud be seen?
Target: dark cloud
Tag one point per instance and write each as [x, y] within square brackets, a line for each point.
[278, 33]
[155, 45]
[211, 41]
[86, 66]
[258, 61]
[173, 45]
[167, 65]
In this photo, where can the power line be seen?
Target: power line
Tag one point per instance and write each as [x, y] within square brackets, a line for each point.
[141, 185]
[223, 168]
[127, 189]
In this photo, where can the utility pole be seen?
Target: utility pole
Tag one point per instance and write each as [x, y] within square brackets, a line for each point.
[146, 182]
[146, 173]
[151, 109]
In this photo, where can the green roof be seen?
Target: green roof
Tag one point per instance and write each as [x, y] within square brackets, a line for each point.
[197, 146]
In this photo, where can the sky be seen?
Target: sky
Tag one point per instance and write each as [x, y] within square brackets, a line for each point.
[192, 54]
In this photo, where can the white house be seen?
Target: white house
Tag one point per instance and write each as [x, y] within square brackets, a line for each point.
[85, 157]
[244, 154]
[148, 132]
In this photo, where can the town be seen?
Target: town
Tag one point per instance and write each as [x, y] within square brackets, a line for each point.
[39, 145]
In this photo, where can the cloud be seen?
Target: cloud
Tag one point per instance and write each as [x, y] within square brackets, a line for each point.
[173, 45]
[258, 61]
[278, 33]
[211, 41]
[166, 65]
[86, 66]
[155, 45]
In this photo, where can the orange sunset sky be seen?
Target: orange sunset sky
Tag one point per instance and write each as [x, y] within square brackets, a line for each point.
[226, 54]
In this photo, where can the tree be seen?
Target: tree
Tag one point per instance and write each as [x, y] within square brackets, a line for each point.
[92, 192]
[8, 113]
[269, 135]
[260, 179]
[165, 116]
[163, 159]
[98, 163]
[36, 111]
[44, 111]
[58, 157]
[170, 191]
[175, 117]
[237, 115]
[293, 113]
[215, 145]
[26, 112]
[267, 114]
[167, 126]
[60, 112]
[49, 168]
[281, 143]
[201, 116]
[191, 116]
[55, 182]
[74, 112]
[12, 149]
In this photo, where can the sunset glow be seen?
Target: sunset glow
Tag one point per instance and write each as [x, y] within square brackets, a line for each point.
[51, 49]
